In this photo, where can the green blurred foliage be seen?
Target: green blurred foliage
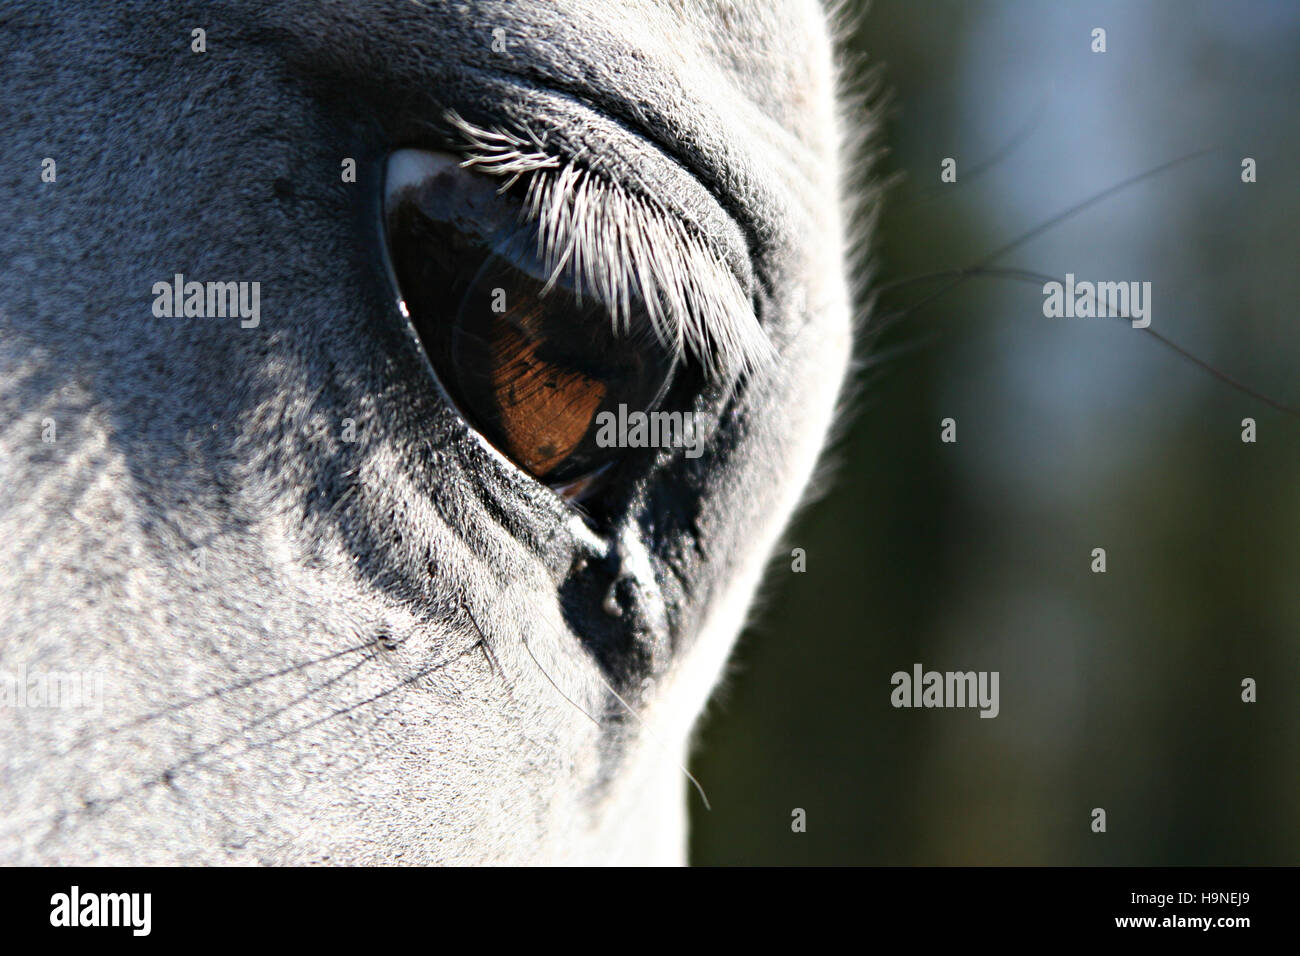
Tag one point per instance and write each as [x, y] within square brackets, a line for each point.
[1119, 690]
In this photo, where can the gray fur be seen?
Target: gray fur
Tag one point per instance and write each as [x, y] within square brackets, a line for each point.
[381, 651]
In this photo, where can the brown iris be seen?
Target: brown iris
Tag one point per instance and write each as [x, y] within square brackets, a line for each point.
[543, 409]
[531, 366]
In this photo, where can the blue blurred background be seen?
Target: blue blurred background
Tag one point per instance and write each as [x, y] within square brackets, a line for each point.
[1119, 690]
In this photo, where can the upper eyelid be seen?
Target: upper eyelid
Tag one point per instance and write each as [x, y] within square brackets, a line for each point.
[616, 243]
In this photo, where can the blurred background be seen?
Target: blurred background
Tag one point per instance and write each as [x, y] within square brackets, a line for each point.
[1119, 690]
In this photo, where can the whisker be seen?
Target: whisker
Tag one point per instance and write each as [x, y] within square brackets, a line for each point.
[1051, 222]
[1036, 279]
[310, 693]
[1018, 139]
[577, 706]
[216, 694]
[655, 738]
[191, 764]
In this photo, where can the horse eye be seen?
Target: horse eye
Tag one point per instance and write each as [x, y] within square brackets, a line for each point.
[530, 363]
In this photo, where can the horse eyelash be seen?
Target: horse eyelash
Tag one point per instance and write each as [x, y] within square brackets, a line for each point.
[620, 247]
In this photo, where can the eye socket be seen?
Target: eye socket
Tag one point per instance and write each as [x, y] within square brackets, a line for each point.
[531, 363]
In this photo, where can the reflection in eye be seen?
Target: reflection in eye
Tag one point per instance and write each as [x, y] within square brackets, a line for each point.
[530, 365]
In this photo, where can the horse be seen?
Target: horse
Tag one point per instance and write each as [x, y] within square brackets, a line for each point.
[309, 553]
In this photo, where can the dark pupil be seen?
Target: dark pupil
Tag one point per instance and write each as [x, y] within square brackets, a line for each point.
[530, 371]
